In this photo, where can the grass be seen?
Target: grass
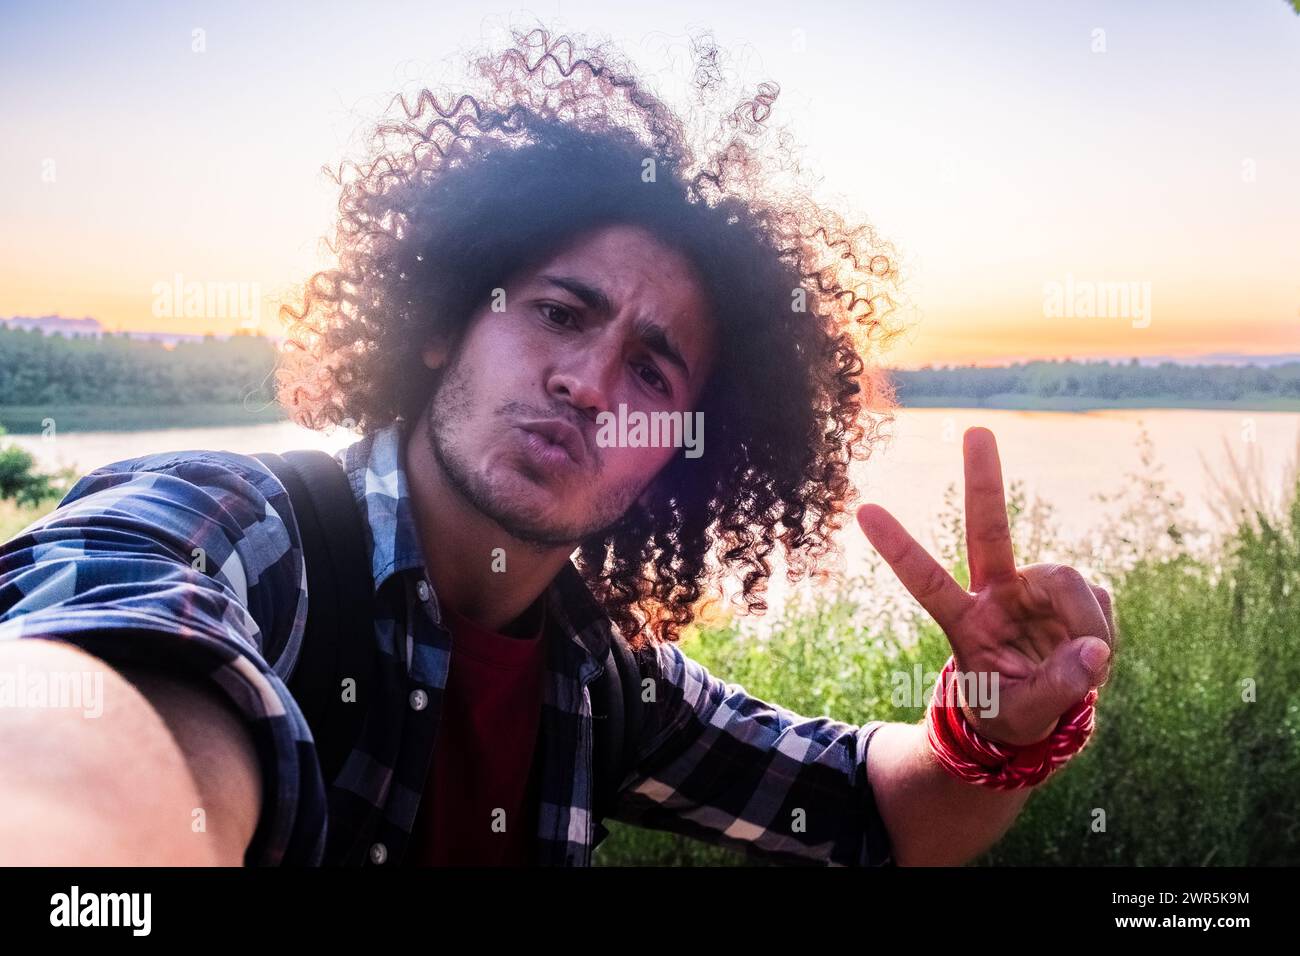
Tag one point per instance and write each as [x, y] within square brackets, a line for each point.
[15, 517]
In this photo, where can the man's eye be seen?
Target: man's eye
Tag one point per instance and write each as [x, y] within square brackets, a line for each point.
[652, 378]
[557, 314]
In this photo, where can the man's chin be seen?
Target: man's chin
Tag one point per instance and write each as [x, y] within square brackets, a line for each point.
[530, 510]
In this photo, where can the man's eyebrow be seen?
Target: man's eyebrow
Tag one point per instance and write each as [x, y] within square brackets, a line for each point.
[653, 335]
[591, 297]
[655, 338]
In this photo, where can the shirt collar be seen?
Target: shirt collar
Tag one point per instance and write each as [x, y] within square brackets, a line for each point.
[375, 470]
[375, 466]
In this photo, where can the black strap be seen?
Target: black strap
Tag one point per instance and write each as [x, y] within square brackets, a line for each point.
[617, 714]
[338, 643]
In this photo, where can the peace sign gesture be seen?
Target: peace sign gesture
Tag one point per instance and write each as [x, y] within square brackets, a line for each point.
[1043, 631]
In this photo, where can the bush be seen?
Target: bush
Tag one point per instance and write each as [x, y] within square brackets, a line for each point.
[21, 482]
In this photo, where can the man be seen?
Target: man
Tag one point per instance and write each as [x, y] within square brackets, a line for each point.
[513, 269]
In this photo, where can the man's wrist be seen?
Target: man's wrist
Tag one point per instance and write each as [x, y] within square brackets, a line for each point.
[968, 755]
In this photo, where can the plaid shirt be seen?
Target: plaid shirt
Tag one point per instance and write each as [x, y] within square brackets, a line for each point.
[191, 562]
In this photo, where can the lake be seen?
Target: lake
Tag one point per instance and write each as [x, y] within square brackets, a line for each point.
[1066, 458]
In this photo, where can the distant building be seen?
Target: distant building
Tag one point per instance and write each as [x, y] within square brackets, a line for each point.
[88, 328]
[51, 324]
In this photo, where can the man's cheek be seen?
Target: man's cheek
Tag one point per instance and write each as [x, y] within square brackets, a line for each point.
[626, 467]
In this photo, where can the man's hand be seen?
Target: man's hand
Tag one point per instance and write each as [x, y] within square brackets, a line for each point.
[1043, 631]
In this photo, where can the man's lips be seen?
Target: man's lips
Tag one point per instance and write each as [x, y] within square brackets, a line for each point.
[560, 433]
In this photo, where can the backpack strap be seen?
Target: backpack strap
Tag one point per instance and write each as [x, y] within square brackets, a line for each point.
[338, 642]
[617, 715]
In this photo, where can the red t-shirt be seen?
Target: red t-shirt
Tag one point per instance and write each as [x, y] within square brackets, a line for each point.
[480, 801]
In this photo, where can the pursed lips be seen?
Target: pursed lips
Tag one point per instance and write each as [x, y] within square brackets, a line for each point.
[560, 433]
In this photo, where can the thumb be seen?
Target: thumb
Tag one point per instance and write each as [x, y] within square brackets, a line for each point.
[1074, 668]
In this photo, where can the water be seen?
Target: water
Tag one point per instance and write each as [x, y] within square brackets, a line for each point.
[86, 451]
[1066, 458]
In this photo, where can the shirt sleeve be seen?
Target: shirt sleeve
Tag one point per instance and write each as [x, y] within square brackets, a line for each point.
[188, 563]
[724, 767]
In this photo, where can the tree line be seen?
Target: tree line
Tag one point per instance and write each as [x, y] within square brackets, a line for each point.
[45, 370]
[38, 369]
[1102, 380]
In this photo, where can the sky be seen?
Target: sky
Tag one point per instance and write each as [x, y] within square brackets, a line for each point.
[1059, 179]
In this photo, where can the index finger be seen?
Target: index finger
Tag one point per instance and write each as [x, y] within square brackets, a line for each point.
[988, 534]
[923, 576]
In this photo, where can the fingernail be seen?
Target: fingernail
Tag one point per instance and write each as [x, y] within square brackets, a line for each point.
[1094, 654]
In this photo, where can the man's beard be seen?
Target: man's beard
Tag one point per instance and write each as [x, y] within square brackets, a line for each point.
[450, 404]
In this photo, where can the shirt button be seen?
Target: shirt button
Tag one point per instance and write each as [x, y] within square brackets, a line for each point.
[378, 853]
[422, 590]
[419, 700]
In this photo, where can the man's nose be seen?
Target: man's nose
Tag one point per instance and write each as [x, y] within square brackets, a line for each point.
[584, 381]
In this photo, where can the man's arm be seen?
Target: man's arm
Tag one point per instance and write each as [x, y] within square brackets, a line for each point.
[722, 766]
[184, 574]
[933, 818]
[727, 768]
[218, 753]
[164, 775]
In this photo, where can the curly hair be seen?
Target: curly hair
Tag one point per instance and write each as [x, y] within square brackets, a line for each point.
[459, 193]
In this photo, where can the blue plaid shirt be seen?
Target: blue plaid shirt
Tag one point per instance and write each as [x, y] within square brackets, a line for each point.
[190, 562]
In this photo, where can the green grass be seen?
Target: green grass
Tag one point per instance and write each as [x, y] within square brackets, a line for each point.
[15, 517]
[31, 419]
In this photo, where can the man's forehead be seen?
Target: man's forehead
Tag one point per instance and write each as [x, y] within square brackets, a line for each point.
[629, 256]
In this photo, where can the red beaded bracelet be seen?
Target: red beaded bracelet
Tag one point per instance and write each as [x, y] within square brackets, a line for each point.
[967, 755]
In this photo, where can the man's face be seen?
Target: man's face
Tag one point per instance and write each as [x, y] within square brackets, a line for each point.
[616, 317]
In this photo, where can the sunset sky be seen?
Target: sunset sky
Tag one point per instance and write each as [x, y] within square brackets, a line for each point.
[1001, 147]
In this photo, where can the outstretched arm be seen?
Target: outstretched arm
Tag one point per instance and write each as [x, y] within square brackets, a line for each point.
[175, 582]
